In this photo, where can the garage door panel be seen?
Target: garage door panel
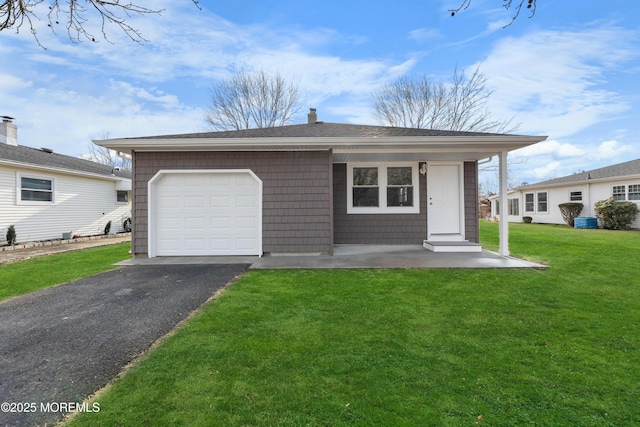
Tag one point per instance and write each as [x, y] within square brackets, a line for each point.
[246, 244]
[220, 222]
[207, 213]
[194, 201]
[245, 201]
[220, 201]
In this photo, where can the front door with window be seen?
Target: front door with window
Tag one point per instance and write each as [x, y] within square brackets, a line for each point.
[445, 213]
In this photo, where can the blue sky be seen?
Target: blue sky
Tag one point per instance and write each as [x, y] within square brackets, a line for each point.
[570, 72]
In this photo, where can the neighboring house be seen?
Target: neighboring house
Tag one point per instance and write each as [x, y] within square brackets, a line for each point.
[540, 201]
[304, 188]
[44, 194]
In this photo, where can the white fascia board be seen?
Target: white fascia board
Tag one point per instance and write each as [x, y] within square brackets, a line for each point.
[61, 170]
[581, 182]
[490, 143]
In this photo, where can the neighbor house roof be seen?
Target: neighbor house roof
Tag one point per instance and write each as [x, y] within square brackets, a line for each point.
[620, 170]
[341, 138]
[46, 159]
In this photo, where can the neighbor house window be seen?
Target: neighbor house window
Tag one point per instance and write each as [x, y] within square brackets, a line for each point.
[36, 189]
[542, 201]
[618, 192]
[634, 192]
[575, 196]
[382, 188]
[529, 204]
[514, 206]
[122, 196]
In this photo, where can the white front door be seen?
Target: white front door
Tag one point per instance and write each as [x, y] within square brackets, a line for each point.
[445, 205]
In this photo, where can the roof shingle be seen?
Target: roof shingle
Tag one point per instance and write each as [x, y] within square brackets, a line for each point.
[38, 157]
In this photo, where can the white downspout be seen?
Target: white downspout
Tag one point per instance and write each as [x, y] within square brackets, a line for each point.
[504, 222]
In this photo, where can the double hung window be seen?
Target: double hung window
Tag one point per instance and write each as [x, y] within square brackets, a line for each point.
[382, 188]
[619, 192]
[35, 189]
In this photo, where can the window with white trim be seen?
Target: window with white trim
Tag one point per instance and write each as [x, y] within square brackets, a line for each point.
[34, 189]
[122, 196]
[634, 192]
[514, 206]
[382, 188]
[542, 201]
[575, 196]
[529, 204]
[618, 192]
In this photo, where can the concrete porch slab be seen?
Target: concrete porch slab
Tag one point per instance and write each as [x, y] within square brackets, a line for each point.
[358, 256]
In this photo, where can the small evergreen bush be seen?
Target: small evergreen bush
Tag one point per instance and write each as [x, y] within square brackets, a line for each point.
[615, 214]
[570, 211]
[11, 235]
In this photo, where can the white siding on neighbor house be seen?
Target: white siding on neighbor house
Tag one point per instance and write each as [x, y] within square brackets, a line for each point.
[82, 206]
[591, 193]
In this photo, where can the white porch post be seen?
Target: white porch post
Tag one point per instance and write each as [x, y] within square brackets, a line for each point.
[504, 223]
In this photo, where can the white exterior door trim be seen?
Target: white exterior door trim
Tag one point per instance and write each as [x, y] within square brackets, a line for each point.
[441, 195]
[152, 205]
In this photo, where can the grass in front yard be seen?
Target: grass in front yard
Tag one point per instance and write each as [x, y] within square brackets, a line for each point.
[407, 347]
[42, 272]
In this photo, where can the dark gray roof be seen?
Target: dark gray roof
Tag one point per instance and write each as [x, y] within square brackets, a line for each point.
[34, 156]
[631, 167]
[320, 130]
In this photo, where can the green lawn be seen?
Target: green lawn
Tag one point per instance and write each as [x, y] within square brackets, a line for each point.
[559, 346]
[42, 272]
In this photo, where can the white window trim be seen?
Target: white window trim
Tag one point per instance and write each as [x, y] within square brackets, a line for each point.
[534, 203]
[624, 192]
[537, 200]
[128, 197]
[576, 191]
[19, 201]
[382, 188]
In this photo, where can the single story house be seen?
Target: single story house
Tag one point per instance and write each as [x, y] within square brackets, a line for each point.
[305, 188]
[45, 194]
[540, 201]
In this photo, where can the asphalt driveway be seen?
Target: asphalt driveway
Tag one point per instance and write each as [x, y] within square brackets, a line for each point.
[62, 344]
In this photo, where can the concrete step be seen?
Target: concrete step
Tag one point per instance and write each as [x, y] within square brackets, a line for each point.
[460, 246]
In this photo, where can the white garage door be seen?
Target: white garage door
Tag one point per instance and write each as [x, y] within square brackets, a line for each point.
[201, 213]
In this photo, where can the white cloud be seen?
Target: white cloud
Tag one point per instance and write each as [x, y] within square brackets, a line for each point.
[611, 149]
[422, 35]
[551, 79]
[549, 147]
[545, 172]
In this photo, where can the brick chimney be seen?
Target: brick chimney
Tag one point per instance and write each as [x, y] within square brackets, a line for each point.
[313, 117]
[8, 131]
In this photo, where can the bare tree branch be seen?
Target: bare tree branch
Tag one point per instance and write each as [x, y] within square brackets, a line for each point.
[107, 156]
[75, 14]
[252, 100]
[507, 4]
[459, 105]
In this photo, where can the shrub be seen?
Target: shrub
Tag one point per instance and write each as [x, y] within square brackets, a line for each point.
[11, 235]
[570, 211]
[615, 214]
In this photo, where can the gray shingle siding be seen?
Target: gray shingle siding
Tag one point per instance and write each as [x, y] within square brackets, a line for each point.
[296, 194]
[394, 229]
